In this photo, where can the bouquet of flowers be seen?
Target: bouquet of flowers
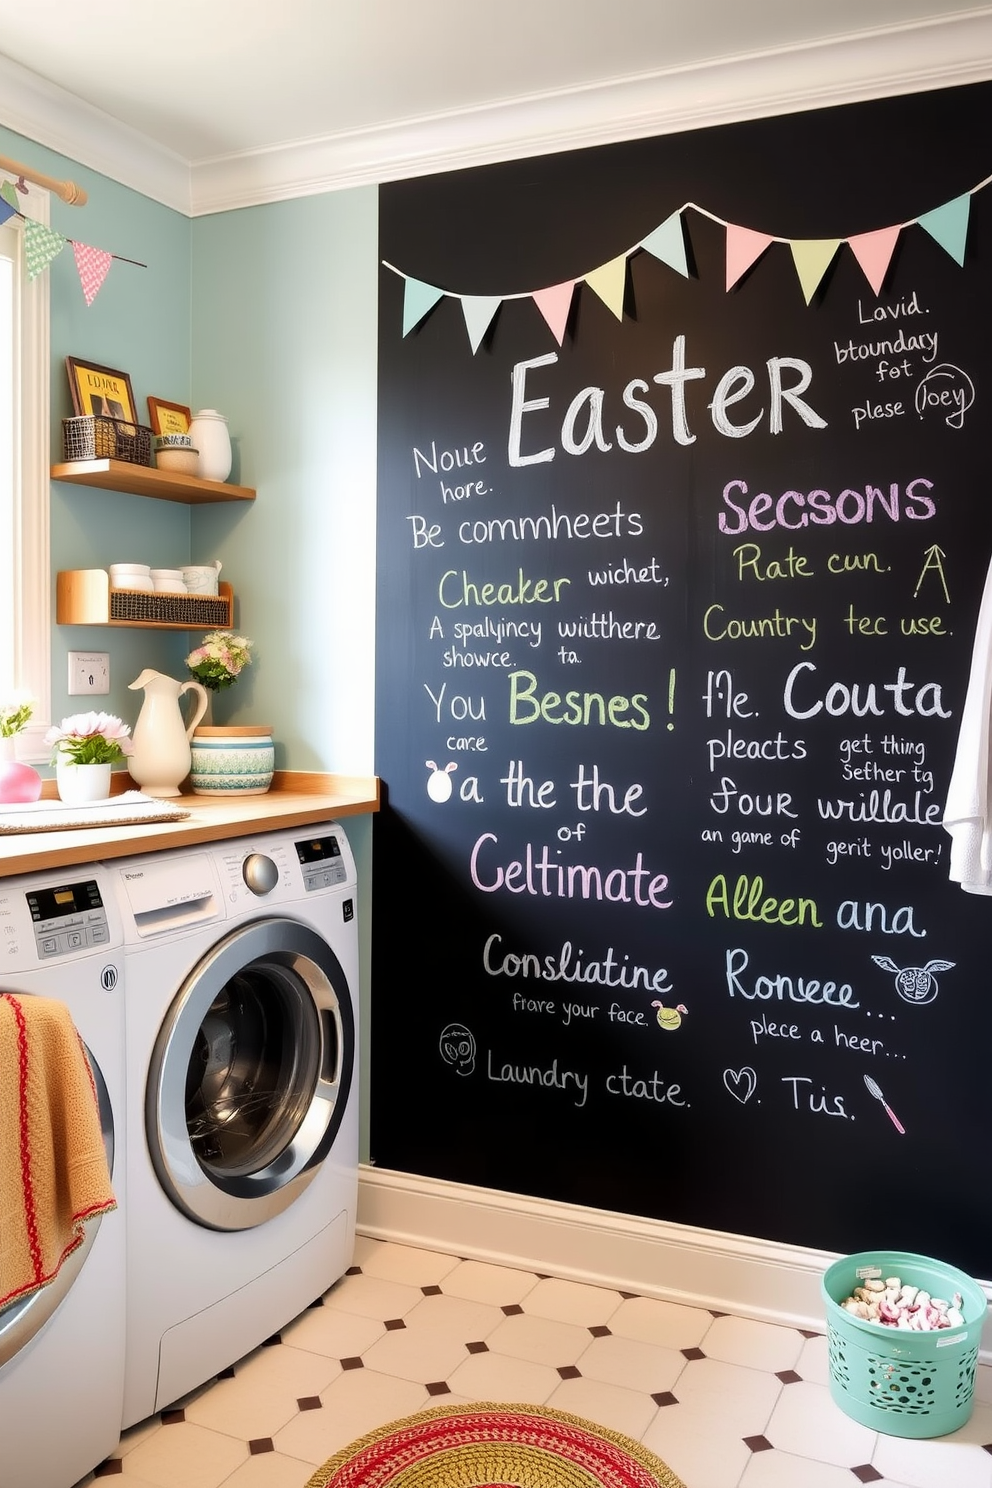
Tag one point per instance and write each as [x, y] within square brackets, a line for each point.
[220, 660]
[90, 739]
[14, 714]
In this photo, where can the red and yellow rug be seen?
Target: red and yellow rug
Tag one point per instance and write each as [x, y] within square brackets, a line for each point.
[494, 1446]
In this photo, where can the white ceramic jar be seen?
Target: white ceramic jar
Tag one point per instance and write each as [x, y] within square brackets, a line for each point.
[202, 578]
[209, 434]
[168, 581]
[130, 576]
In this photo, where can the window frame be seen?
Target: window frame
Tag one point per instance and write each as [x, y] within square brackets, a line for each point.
[31, 587]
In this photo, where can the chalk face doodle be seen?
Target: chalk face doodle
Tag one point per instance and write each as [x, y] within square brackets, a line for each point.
[457, 1048]
[915, 984]
[946, 391]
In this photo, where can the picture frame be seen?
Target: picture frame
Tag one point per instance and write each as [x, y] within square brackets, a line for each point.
[168, 418]
[100, 390]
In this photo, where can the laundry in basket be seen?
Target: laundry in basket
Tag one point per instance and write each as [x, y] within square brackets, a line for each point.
[896, 1381]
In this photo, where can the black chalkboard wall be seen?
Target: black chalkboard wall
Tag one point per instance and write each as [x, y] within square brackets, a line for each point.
[675, 622]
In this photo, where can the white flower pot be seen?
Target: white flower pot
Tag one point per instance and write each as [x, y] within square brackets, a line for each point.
[78, 784]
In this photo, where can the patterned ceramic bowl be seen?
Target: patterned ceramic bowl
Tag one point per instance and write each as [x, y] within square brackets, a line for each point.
[237, 760]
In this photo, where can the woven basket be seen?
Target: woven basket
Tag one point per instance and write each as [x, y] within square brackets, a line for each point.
[94, 437]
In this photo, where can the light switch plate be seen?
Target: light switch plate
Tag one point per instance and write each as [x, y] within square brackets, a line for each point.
[89, 672]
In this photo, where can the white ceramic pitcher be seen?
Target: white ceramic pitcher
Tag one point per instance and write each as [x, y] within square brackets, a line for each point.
[161, 758]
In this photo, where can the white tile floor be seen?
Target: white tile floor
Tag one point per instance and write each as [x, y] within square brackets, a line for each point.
[724, 1401]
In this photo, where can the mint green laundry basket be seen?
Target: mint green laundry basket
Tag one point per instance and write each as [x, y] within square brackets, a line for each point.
[895, 1381]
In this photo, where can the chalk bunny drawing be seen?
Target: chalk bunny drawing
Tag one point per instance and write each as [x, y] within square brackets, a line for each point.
[439, 786]
[915, 984]
[669, 1018]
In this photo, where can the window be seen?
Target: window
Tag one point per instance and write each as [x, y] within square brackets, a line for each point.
[25, 588]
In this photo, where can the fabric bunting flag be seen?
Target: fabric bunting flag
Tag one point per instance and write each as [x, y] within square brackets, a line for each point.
[874, 251]
[948, 225]
[6, 210]
[812, 258]
[479, 311]
[41, 245]
[744, 248]
[668, 244]
[93, 265]
[554, 304]
[418, 299]
[8, 191]
[609, 281]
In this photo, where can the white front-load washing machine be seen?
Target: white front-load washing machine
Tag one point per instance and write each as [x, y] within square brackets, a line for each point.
[62, 1347]
[241, 961]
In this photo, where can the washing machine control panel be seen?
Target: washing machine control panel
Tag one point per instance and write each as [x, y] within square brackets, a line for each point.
[321, 862]
[260, 873]
[276, 868]
[67, 918]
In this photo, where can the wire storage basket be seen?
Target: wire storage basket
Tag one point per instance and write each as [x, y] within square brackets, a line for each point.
[894, 1380]
[94, 437]
[142, 607]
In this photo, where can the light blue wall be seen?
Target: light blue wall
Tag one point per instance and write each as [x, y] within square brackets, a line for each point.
[284, 345]
[139, 323]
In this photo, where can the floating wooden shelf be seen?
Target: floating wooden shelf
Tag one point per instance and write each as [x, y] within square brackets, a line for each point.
[143, 480]
[84, 597]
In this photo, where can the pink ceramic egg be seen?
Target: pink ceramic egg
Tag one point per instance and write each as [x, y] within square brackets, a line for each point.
[18, 783]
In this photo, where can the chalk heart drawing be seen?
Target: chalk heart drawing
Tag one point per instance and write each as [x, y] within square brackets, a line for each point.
[741, 1083]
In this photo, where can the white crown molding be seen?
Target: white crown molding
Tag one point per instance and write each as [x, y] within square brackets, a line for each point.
[953, 50]
[882, 63]
[59, 120]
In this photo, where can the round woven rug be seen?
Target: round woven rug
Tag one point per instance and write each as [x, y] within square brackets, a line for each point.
[494, 1446]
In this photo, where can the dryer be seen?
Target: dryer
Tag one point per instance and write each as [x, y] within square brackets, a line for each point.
[62, 1348]
[241, 960]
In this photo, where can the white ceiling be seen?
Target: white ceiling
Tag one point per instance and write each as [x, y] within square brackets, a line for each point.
[257, 98]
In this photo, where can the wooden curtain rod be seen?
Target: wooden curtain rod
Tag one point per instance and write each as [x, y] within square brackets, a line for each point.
[67, 191]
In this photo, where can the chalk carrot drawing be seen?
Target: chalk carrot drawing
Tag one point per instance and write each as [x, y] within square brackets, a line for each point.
[873, 1087]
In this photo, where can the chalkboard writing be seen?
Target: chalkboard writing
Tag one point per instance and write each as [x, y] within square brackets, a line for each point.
[675, 617]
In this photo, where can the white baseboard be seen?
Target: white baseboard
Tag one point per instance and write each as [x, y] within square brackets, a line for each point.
[774, 1283]
[678, 1263]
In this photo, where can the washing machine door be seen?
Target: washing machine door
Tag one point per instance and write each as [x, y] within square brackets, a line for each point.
[250, 1075]
[22, 1320]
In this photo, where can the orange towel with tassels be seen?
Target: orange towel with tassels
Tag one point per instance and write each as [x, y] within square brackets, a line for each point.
[53, 1163]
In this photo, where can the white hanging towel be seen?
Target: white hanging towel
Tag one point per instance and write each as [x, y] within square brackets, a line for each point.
[966, 813]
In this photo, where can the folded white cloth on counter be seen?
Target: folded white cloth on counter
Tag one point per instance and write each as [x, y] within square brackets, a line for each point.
[966, 812]
[130, 808]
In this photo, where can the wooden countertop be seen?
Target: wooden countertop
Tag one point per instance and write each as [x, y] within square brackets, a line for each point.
[297, 799]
